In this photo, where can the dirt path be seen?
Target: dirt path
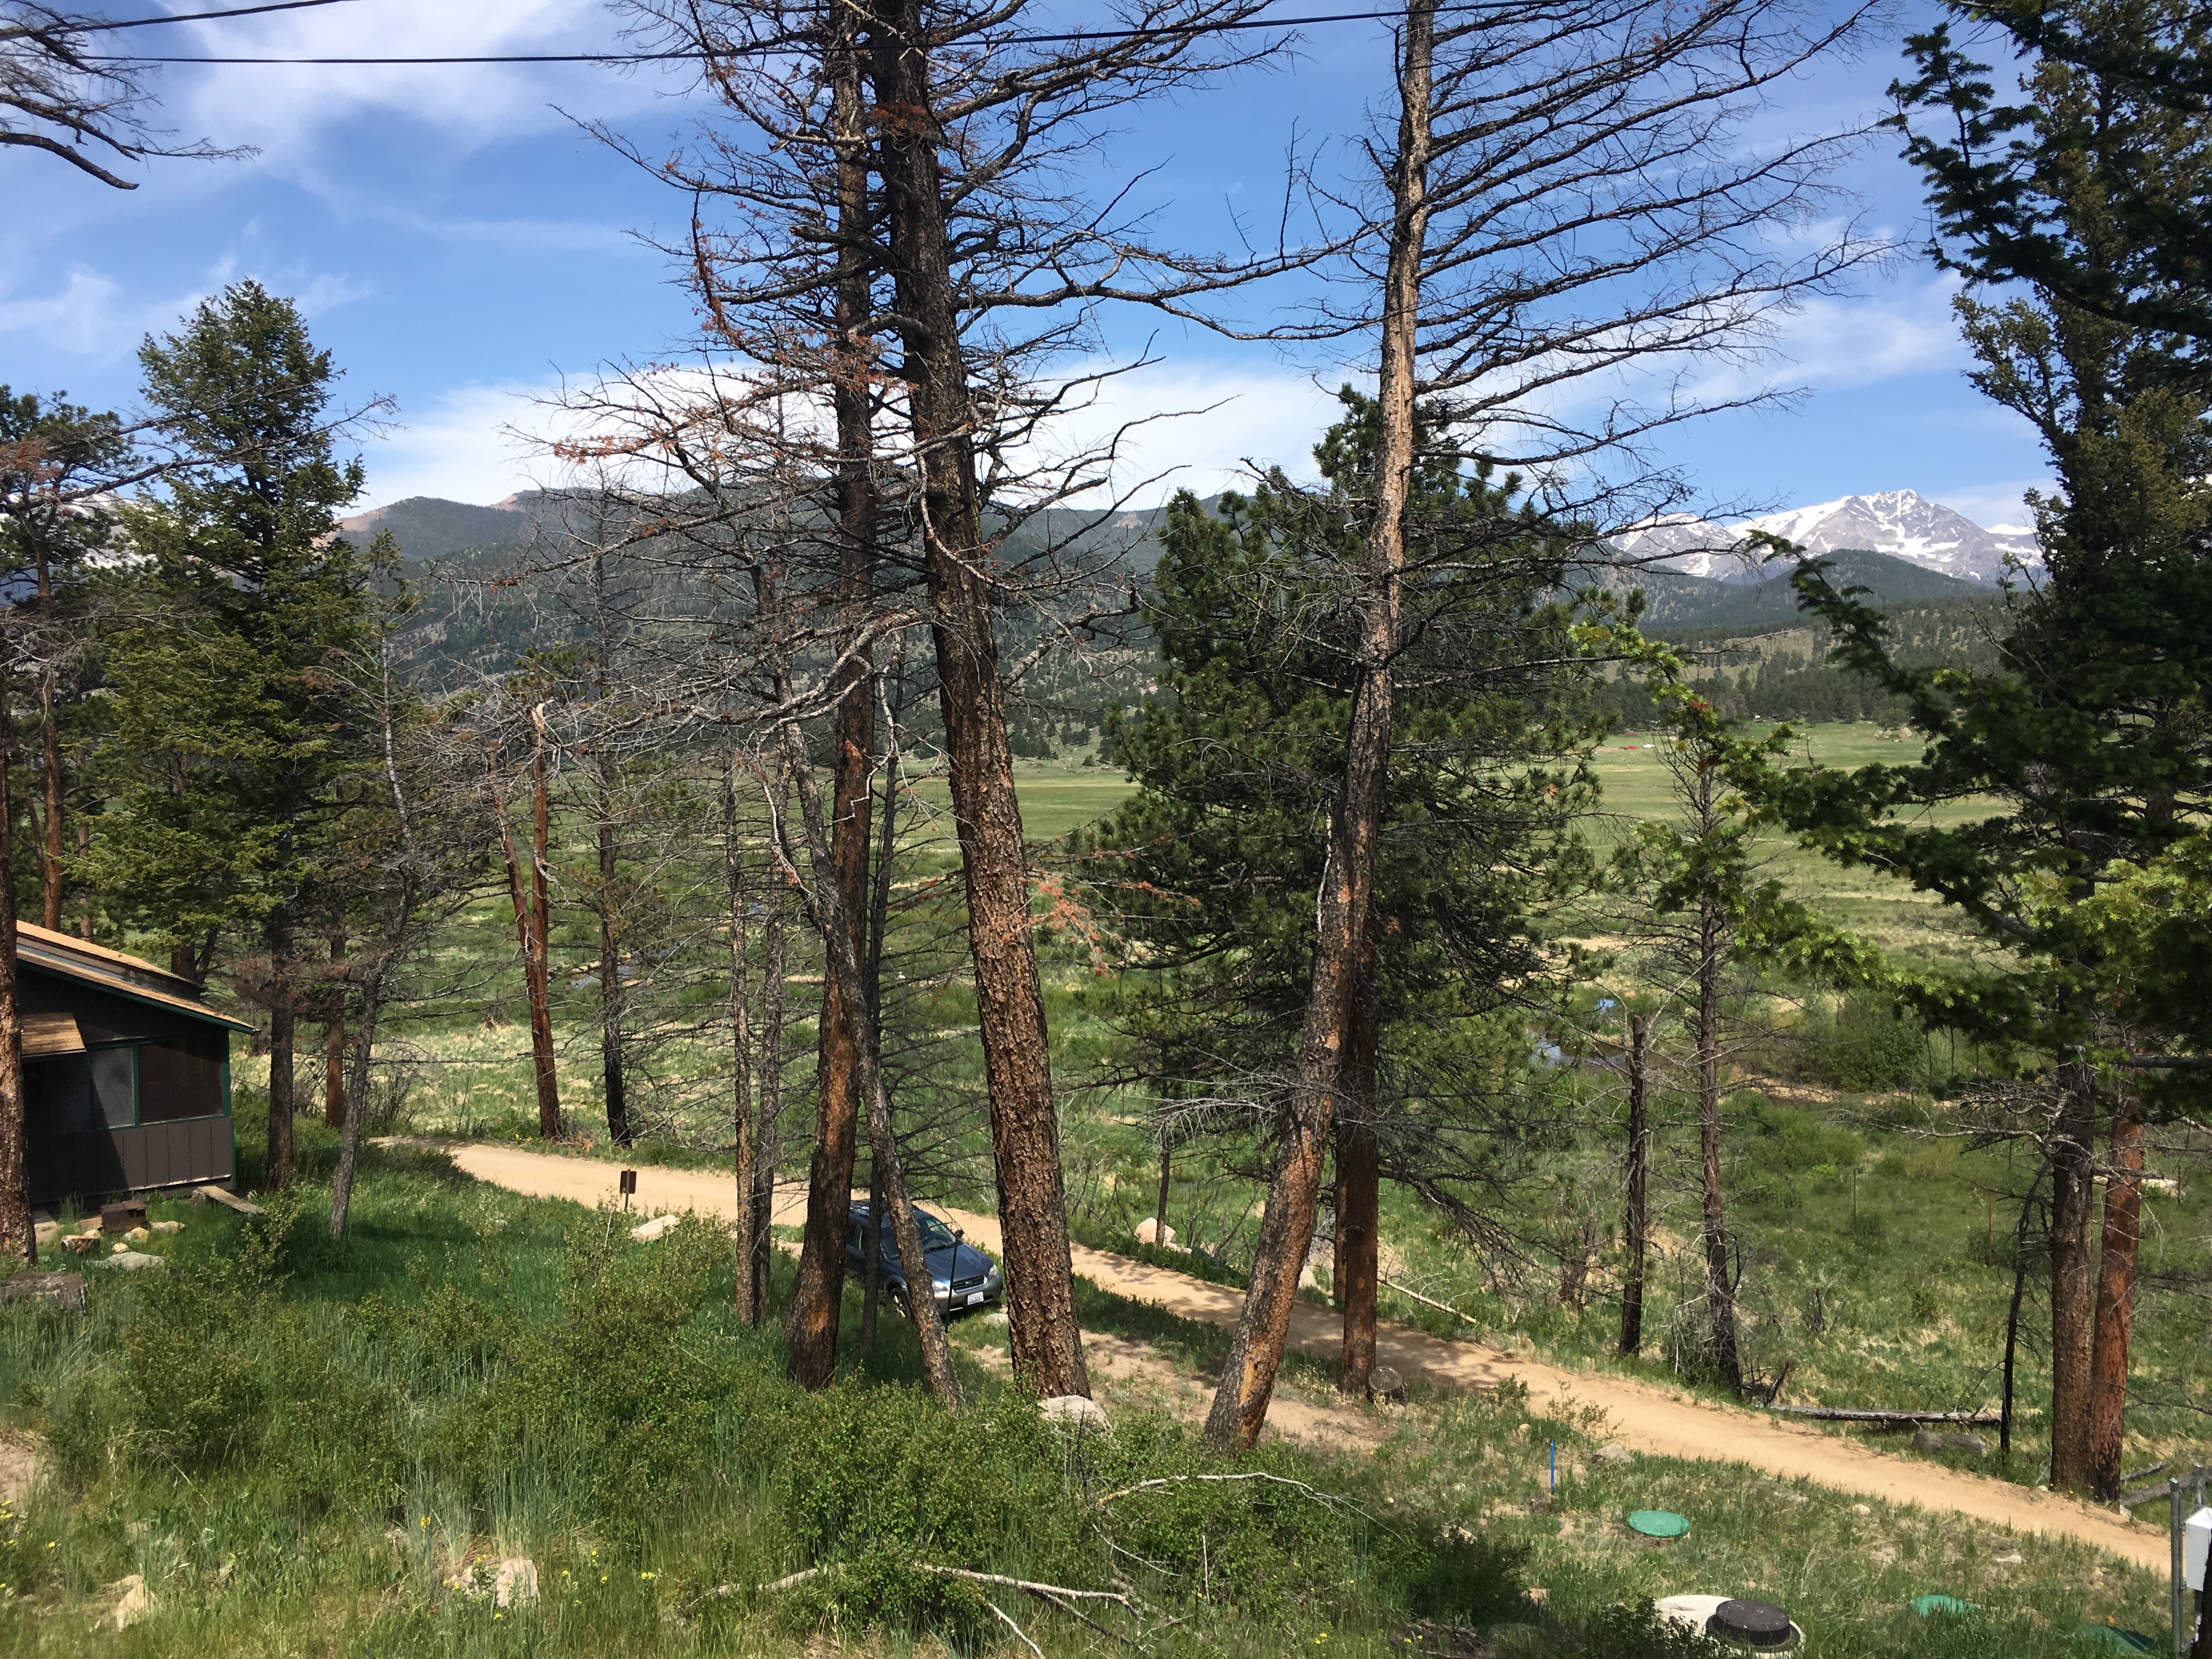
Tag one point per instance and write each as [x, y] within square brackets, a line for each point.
[1644, 1418]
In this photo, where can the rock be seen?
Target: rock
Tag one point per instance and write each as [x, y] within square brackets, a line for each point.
[996, 1318]
[135, 1603]
[133, 1262]
[118, 1248]
[2009, 1559]
[1149, 1232]
[1927, 1440]
[138, 1235]
[1611, 1452]
[513, 1580]
[1384, 1383]
[1539, 1594]
[46, 1233]
[648, 1232]
[1521, 1431]
[64, 1290]
[1862, 1508]
[1074, 1411]
[168, 1226]
[1922, 1441]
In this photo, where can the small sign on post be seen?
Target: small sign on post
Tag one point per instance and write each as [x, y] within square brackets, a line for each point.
[628, 1187]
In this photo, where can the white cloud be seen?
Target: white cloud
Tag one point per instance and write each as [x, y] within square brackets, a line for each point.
[90, 316]
[281, 107]
[1992, 505]
[475, 443]
[1228, 420]
[1907, 330]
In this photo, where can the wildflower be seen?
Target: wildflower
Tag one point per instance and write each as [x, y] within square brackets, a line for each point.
[648, 1575]
[426, 1520]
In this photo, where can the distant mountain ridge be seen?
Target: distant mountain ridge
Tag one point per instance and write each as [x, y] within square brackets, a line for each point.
[1901, 522]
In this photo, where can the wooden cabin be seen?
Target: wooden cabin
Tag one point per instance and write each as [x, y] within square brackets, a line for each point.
[126, 1072]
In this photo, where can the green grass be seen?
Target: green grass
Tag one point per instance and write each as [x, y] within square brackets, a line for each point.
[300, 1444]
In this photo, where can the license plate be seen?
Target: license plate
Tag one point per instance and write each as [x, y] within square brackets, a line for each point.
[975, 1297]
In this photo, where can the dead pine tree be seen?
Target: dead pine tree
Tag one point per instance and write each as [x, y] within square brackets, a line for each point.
[1635, 1229]
[973, 237]
[1560, 201]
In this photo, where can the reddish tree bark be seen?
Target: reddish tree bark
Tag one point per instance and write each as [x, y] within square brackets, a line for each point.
[1720, 1290]
[2073, 1276]
[1635, 1226]
[811, 1327]
[1357, 1270]
[530, 918]
[1047, 1341]
[49, 735]
[1256, 1351]
[2115, 1297]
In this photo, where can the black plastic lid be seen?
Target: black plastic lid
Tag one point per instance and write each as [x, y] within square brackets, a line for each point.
[1760, 1623]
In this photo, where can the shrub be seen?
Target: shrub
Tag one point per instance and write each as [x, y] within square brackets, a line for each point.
[1867, 1045]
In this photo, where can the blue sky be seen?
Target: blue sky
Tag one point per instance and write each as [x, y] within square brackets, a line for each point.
[466, 248]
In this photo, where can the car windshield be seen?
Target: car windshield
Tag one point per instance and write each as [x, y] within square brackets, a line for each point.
[935, 1235]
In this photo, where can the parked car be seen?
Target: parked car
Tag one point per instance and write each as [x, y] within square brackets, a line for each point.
[962, 1275]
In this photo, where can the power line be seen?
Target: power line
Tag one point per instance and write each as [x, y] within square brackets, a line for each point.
[196, 17]
[747, 49]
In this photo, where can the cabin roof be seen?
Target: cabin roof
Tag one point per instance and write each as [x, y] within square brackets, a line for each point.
[117, 975]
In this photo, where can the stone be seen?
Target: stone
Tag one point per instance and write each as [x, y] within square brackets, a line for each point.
[1385, 1383]
[514, 1580]
[1862, 1508]
[138, 1235]
[64, 1290]
[650, 1232]
[118, 1248]
[2009, 1559]
[47, 1232]
[1151, 1232]
[1611, 1453]
[135, 1603]
[1927, 1440]
[1074, 1411]
[996, 1318]
[133, 1262]
[168, 1226]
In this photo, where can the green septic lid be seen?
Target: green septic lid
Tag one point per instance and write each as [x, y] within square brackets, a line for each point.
[1927, 1604]
[1658, 1523]
[2113, 1639]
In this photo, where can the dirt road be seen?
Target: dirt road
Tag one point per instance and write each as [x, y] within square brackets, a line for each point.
[1644, 1418]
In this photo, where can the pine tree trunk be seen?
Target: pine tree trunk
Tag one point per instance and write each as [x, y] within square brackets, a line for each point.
[1167, 1177]
[843, 961]
[1286, 1223]
[281, 1035]
[819, 1296]
[528, 919]
[768, 1067]
[334, 1083]
[342, 1180]
[741, 1036]
[610, 991]
[1636, 1222]
[2115, 1295]
[2073, 1277]
[18, 1238]
[538, 944]
[50, 746]
[1720, 1294]
[1047, 1341]
[879, 916]
[1360, 1196]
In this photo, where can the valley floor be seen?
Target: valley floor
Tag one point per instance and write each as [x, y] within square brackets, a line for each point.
[1639, 1416]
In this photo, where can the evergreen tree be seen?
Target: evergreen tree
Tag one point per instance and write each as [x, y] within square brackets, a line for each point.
[1215, 861]
[235, 720]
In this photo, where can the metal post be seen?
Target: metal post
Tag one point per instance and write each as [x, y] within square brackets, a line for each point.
[2181, 1595]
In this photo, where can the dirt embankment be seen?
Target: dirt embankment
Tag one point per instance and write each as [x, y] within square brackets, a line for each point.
[1642, 1417]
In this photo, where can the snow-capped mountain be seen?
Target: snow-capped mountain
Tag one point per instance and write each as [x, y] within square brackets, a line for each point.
[1899, 522]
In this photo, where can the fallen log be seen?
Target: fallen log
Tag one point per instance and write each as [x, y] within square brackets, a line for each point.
[1853, 1414]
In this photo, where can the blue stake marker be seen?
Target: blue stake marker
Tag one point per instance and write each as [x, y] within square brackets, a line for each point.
[1555, 1465]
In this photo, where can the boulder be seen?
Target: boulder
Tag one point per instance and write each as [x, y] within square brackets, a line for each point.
[1927, 1440]
[133, 1262]
[1075, 1411]
[135, 1603]
[1150, 1230]
[138, 1235]
[168, 1226]
[1385, 1383]
[46, 1233]
[514, 1580]
[1611, 1453]
[648, 1232]
[64, 1290]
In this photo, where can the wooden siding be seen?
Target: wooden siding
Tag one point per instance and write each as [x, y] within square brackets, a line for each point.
[148, 1155]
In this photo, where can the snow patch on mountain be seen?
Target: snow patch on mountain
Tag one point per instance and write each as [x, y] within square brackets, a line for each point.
[1901, 522]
